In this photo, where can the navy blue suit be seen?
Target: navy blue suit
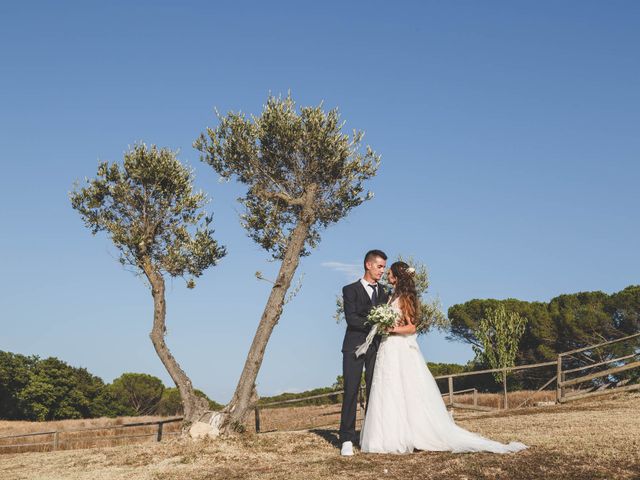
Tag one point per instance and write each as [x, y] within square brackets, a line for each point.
[357, 305]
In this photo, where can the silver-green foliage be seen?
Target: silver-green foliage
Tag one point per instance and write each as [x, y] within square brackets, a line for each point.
[302, 174]
[151, 212]
[282, 156]
[499, 333]
[430, 316]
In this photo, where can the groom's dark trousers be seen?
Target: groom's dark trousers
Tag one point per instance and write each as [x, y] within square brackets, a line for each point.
[357, 305]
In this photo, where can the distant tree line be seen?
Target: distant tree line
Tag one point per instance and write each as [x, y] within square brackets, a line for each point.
[38, 389]
[564, 323]
[49, 389]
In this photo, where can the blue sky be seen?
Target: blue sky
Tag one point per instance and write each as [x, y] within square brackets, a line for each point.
[508, 132]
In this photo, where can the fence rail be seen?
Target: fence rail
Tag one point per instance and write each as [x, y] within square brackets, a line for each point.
[258, 408]
[504, 371]
[563, 395]
[56, 441]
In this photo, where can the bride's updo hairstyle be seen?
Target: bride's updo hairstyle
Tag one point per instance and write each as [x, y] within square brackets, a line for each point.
[405, 290]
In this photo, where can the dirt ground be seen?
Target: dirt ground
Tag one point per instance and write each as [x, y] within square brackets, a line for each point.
[590, 440]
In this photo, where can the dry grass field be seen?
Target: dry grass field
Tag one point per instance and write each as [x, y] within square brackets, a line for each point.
[586, 440]
[272, 419]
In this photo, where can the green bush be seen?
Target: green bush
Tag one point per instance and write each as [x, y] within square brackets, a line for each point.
[50, 389]
[170, 403]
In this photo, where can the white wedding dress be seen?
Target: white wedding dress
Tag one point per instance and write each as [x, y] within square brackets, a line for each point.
[406, 411]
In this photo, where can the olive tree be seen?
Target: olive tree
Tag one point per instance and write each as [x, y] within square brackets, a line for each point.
[157, 222]
[301, 173]
[499, 333]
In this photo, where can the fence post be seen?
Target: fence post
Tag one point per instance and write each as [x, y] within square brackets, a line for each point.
[451, 391]
[475, 397]
[504, 386]
[559, 380]
[159, 437]
[56, 440]
[257, 415]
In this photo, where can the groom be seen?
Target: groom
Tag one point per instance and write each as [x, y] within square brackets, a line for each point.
[359, 298]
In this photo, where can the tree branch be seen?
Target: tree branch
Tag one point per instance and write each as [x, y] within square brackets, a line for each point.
[257, 166]
[284, 197]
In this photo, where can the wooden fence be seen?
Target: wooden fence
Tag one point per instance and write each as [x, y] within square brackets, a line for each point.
[258, 408]
[563, 395]
[504, 371]
[57, 439]
[361, 402]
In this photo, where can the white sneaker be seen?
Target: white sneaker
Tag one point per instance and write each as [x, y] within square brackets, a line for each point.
[347, 449]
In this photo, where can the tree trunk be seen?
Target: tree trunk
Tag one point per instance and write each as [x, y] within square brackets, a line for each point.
[504, 386]
[244, 396]
[193, 405]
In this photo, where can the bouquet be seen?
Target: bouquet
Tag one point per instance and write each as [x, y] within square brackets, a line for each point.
[382, 318]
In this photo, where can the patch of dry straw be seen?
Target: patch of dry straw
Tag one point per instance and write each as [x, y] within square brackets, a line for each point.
[590, 440]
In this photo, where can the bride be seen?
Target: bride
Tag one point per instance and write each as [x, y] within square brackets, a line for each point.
[406, 410]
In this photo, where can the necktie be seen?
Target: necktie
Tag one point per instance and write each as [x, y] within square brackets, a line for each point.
[374, 295]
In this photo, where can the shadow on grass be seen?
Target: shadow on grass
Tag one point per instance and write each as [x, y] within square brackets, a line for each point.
[330, 436]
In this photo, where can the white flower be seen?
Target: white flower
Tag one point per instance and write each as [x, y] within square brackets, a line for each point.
[384, 316]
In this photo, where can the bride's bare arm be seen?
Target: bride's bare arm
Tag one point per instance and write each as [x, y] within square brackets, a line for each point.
[407, 329]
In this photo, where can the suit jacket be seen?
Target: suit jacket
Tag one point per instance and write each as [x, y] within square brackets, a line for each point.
[357, 305]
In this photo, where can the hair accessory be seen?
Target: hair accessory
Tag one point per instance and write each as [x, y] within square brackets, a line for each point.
[411, 270]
